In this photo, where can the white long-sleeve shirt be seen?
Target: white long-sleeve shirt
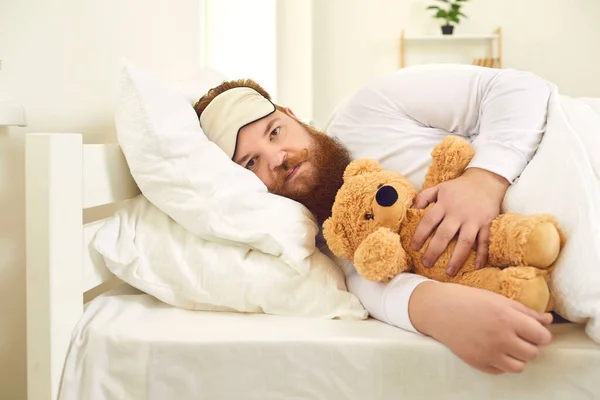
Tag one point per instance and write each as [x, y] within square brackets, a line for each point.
[399, 118]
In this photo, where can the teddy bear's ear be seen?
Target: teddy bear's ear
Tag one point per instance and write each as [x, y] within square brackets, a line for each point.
[336, 239]
[362, 166]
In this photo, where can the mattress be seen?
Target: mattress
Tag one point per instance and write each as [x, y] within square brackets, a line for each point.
[132, 346]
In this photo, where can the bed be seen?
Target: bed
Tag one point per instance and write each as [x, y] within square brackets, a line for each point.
[124, 344]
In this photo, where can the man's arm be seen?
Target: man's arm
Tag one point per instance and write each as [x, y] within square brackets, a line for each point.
[387, 302]
[413, 107]
[489, 332]
[504, 113]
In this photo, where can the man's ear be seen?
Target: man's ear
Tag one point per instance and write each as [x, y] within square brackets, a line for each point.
[290, 112]
[362, 166]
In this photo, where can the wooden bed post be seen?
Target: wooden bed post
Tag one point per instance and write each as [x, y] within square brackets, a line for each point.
[402, 50]
[53, 165]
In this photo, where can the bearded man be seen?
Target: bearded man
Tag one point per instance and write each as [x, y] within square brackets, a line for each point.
[398, 119]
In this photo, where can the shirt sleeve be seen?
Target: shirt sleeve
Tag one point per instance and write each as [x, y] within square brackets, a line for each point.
[503, 111]
[386, 302]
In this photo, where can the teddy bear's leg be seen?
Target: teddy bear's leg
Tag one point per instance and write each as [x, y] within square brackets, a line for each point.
[526, 285]
[533, 240]
[449, 160]
[547, 274]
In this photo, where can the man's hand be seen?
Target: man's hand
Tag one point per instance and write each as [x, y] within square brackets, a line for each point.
[465, 206]
[488, 331]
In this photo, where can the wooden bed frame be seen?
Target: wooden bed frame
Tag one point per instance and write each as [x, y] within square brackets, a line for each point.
[63, 178]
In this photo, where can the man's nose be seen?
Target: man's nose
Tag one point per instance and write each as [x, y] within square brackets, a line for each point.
[276, 159]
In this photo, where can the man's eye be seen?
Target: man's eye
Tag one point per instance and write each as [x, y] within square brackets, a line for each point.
[275, 132]
[250, 164]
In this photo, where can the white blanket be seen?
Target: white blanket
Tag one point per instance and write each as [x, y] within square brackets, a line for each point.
[563, 179]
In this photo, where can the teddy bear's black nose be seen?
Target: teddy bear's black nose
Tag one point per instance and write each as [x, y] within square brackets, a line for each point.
[386, 196]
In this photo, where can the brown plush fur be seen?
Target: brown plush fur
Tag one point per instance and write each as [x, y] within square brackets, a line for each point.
[377, 238]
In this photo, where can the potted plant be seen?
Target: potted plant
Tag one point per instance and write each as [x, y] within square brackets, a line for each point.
[450, 14]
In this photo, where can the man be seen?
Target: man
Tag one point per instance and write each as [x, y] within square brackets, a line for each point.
[398, 119]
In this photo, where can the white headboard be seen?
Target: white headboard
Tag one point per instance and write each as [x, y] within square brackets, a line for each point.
[63, 177]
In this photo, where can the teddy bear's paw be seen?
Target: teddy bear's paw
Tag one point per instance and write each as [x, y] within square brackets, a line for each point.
[380, 256]
[527, 285]
[543, 245]
[449, 160]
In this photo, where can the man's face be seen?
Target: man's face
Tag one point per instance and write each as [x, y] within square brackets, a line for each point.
[293, 160]
[269, 146]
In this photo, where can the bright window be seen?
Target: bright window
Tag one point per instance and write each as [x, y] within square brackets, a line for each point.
[240, 39]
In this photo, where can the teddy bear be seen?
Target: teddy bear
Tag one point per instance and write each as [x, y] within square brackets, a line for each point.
[372, 224]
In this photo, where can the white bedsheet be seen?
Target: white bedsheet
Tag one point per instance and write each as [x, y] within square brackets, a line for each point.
[135, 347]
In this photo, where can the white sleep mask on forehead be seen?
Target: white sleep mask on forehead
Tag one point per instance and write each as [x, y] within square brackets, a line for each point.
[229, 112]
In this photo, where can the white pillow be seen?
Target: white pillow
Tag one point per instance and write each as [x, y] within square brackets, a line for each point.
[192, 180]
[148, 250]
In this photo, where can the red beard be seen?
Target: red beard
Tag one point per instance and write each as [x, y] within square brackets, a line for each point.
[316, 191]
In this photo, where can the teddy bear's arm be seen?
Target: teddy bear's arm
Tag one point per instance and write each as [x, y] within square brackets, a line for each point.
[449, 160]
[380, 257]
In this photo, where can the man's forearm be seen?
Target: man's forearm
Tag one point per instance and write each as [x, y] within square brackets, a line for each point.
[494, 183]
[422, 306]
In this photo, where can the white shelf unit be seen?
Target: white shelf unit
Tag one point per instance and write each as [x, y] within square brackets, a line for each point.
[494, 41]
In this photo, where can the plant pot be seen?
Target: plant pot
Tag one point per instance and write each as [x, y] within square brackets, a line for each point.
[447, 29]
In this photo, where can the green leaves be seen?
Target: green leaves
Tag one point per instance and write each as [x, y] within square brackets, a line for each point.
[452, 13]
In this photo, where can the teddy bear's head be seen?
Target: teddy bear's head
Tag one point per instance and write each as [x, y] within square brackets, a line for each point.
[370, 198]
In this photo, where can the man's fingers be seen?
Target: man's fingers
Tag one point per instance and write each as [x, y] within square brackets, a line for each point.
[543, 318]
[531, 330]
[483, 246]
[426, 197]
[442, 237]
[430, 221]
[491, 370]
[509, 364]
[523, 350]
[464, 245]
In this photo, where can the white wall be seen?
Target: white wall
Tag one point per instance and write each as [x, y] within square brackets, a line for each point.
[355, 40]
[60, 58]
[242, 41]
[295, 56]
[269, 41]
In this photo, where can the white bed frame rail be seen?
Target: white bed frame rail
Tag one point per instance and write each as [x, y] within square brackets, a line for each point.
[63, 177]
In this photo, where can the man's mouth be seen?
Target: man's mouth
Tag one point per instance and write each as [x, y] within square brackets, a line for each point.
[292, 172]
